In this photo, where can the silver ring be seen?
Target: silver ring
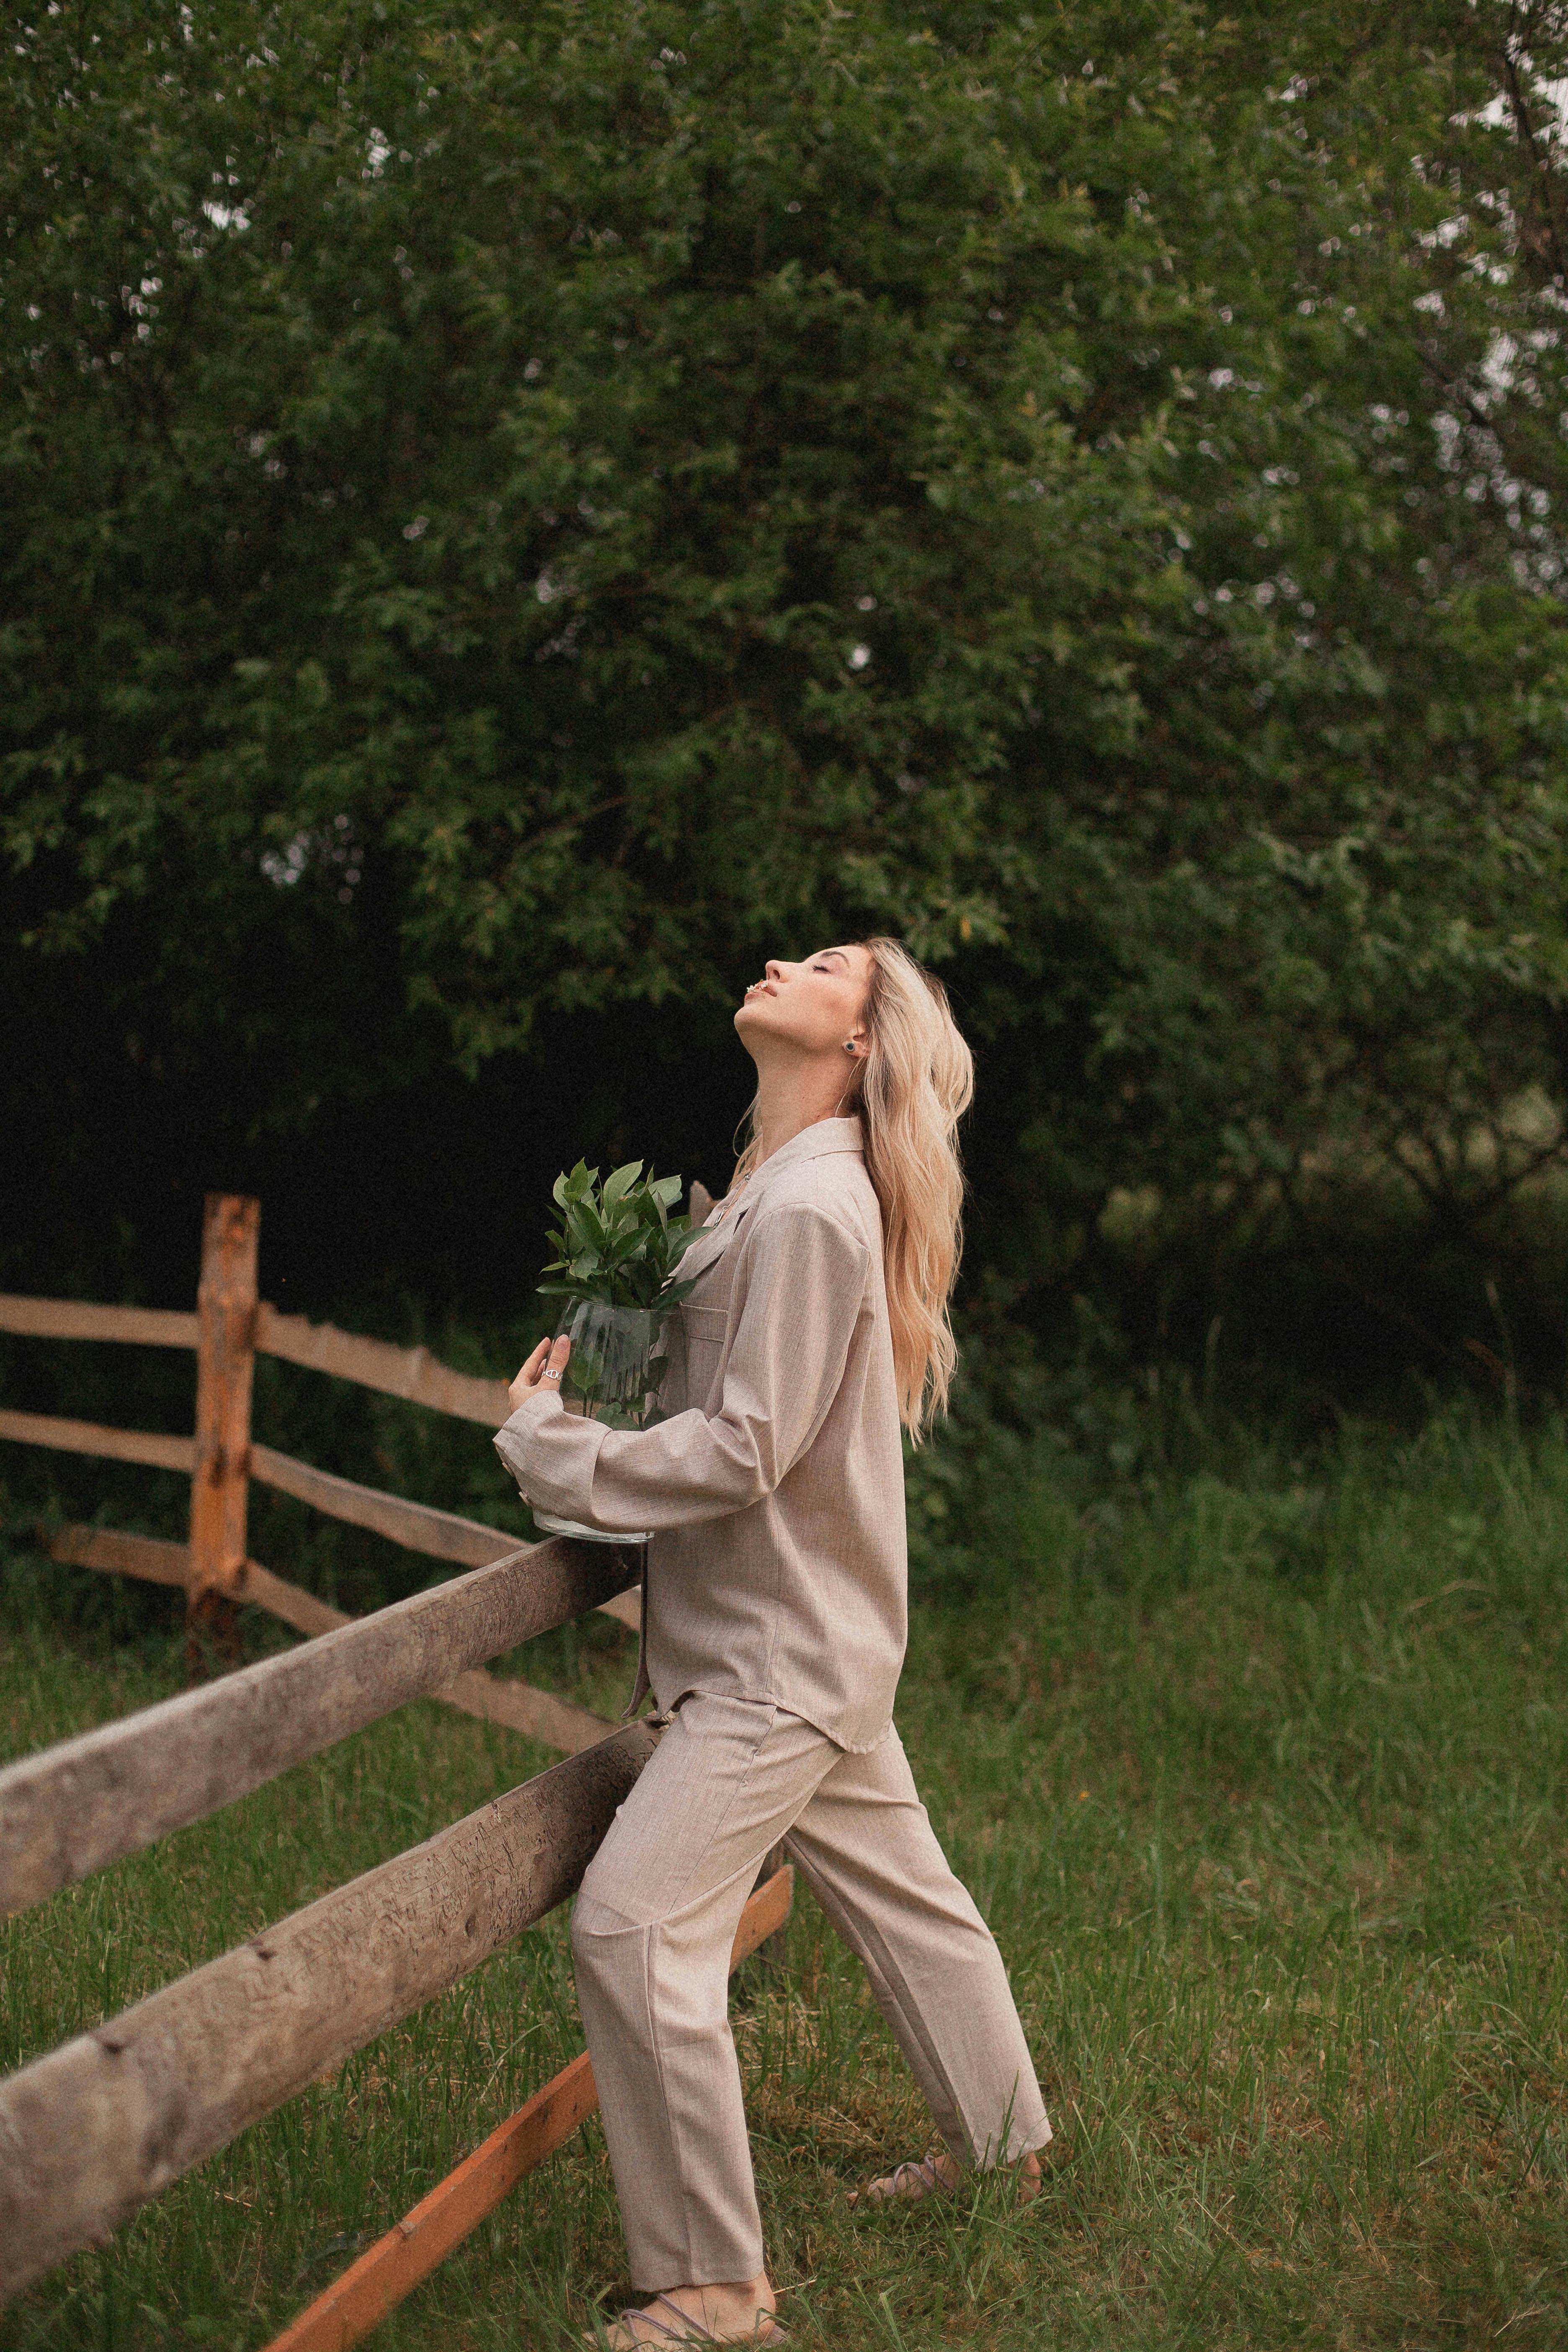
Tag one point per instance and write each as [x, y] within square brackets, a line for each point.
[549, 1376]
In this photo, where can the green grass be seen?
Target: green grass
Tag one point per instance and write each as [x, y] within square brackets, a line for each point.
[1262, 1781]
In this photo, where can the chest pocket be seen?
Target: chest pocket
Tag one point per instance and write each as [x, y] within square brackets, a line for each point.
[703, 1330]
[698, 1330]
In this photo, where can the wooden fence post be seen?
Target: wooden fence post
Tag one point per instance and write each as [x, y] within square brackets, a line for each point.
[226, 1358]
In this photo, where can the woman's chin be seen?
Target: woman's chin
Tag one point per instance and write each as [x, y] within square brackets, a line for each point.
[752, 1031]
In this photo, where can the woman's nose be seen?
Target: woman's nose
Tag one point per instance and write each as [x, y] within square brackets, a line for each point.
[774, 968]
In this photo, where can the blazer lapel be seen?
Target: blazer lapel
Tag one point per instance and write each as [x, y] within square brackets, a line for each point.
[711, 1243]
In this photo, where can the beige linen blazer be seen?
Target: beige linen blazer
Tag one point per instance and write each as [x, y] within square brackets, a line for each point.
[775, 1483]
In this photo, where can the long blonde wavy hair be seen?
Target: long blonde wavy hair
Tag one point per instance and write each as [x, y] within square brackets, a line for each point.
[914, 1084]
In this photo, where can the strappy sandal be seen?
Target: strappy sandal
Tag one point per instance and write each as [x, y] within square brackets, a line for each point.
[907, 2183]
[911, 2182]
[692, 2331]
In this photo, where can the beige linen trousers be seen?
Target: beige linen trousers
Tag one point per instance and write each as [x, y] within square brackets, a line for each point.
[774, 1628]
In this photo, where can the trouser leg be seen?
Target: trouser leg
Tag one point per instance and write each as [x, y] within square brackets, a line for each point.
[651, 1935]
[867, 1847]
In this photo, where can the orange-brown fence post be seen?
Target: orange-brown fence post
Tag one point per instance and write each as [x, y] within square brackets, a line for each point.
[226, 1358]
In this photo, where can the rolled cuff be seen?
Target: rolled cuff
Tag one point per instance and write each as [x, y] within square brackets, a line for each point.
[551, 1452]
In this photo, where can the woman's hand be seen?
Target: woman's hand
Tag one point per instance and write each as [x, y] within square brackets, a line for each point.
[541, 1373]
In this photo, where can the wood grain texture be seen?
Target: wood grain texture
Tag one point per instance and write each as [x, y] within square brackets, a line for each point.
[72, 1808]
[395, 2264]
[91, 2132]
[410, 1373]
[225, 1359]
[156, 1561]
[537, 1714]
[129, 1555]
[109, 1444]
[77, 1319]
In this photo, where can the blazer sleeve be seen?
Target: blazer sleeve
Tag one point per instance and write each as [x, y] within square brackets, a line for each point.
[800, 1284]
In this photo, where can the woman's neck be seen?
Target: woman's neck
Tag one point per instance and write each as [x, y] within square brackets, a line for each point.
[797, 1095]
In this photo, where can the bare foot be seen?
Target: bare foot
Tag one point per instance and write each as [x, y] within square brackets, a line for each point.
[908, 2182]
[736, 2312]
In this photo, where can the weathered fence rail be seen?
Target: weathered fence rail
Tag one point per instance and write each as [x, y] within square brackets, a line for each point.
[77, 1319]
[143, 1445]
[417, 1527]
[538, 1714]
[91, 1800]
[412, 1373]
[91, 2130]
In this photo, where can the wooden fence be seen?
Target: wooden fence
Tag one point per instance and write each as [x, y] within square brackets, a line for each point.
[93, 2129]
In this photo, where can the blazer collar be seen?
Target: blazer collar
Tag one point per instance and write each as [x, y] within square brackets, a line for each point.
[814, 1143]
[828, 1135]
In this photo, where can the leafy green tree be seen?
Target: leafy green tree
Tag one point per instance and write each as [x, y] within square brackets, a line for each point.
[507, 519]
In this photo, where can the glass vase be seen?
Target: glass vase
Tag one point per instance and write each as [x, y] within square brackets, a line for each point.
[612, 1376]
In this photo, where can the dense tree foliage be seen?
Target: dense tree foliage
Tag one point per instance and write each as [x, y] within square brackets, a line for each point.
[508, 521]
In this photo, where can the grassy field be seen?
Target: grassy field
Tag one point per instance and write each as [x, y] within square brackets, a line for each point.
[1260, 1779]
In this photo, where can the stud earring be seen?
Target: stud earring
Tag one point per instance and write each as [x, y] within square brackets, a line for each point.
[849, 1045]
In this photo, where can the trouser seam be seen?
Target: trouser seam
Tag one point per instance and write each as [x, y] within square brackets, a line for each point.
[650, 1994]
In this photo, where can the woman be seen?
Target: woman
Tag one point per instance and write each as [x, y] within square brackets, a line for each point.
[774, 1624]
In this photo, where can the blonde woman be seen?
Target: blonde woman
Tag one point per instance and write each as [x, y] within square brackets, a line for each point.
[774, 1624]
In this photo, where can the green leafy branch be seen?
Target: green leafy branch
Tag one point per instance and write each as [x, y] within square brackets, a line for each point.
[617, 1242]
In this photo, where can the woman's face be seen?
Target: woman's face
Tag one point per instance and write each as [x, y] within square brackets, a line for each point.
[812, 1007]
